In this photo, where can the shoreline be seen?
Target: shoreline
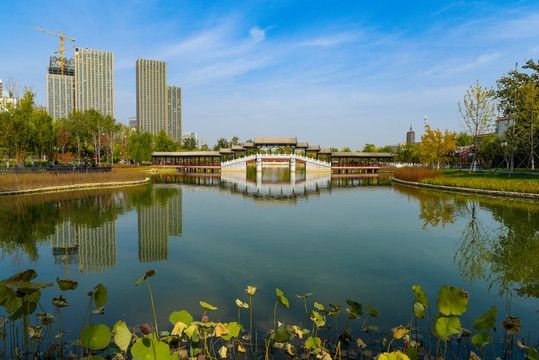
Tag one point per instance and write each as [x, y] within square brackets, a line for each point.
[468, 190]
[84, 186]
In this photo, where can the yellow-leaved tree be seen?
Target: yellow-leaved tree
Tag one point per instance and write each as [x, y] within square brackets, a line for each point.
[436, 146]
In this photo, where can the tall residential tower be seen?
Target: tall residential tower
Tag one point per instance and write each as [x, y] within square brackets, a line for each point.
[158, 105]
[60, 88]
[94, 80]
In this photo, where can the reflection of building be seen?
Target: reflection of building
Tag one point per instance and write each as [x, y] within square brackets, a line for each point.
[94, 249]
[157, 222]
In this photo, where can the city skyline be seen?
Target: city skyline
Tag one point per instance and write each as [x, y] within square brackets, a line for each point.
[261, 68]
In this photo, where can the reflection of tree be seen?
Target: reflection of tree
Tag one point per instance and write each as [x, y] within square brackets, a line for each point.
[472, 256]
[507, 255]
[27, 220]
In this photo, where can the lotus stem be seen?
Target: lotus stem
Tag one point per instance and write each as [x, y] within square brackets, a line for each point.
[153, 308]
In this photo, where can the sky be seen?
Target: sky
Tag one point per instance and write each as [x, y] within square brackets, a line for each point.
[334, 73]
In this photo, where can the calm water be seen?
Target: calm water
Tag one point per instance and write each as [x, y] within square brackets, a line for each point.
[342, 238]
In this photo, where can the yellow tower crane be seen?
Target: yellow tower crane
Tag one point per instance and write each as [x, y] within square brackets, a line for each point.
[62, 48]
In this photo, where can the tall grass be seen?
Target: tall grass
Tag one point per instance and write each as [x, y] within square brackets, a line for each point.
[11, 182]
[415, 174]
[485, 183]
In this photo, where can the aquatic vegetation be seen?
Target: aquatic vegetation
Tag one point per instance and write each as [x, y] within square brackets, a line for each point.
[187, 338]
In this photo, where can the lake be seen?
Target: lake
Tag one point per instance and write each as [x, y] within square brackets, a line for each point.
[341, 238]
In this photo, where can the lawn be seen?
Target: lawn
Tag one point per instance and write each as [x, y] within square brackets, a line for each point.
[487, 181]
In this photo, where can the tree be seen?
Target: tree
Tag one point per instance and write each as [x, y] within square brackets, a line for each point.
[517, 99]
[190, 143]
[490, 149]
[477, 111]
[234, 141]
[346, 149]
[386, 149]
[463, 139]
[163, 142]
[408, 153]
[42, 137]
[139, 146]
[436, 146]
[369, 148]
[222, 143]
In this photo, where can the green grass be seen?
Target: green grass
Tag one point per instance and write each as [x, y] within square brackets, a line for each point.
[487, 181]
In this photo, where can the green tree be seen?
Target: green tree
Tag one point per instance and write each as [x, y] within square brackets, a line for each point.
[163, 142]
[234, 141]
[517, 97]
[463, 139]
[222, 143]
[369, 148]
[408, 153]
[490, 149]
[139, 146]
[346, 149]
[386, 149]
[190, 143]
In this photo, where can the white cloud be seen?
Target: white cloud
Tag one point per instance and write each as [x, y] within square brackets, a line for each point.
[331, 40]
[257, 34]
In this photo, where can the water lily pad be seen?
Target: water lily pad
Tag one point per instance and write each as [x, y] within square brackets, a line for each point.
[100, 295]
[420, 295]
[452, 301]
[180, 316]
[481, 339]
[487, 320]
[95, 337]
[313, 343]
[281, 335]
[149, 348]
[122, 335]
[282, 298]
[446, 327]
[354, 309]
[207, 306]
[66, 284]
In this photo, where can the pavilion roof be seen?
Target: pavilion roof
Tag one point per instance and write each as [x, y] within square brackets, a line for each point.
[362, 155]
[302, 145]
[325, 151]
[226, 151]
[237, 148]
[185, 153]
[277, 141]
[314, 148]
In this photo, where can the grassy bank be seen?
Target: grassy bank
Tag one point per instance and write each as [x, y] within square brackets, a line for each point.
[487, 181]
[524, 183]
[12, 182]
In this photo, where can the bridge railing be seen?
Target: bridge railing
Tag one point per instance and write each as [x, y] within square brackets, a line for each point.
[277, 156]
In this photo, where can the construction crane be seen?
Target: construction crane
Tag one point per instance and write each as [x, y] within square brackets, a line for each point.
[62, 48]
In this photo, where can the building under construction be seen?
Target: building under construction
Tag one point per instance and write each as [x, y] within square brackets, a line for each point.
[60, 88]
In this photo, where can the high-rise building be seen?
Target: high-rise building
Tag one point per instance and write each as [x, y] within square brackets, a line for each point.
[60, 87]
[410, 136]
[1, 88]
[94, 80]
[151, 95]
[159, 107]
[174, 102]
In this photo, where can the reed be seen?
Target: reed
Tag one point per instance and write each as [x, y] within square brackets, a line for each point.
[11, 182]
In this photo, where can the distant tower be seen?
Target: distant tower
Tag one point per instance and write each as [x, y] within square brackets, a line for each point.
[1, 88]
[410, 136]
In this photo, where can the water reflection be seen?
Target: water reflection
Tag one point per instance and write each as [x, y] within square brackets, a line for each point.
[503, 252]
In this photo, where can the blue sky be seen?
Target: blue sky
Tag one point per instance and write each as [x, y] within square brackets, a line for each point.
[332, 73]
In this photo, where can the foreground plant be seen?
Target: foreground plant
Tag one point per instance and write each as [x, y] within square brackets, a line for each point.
[208, 338]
